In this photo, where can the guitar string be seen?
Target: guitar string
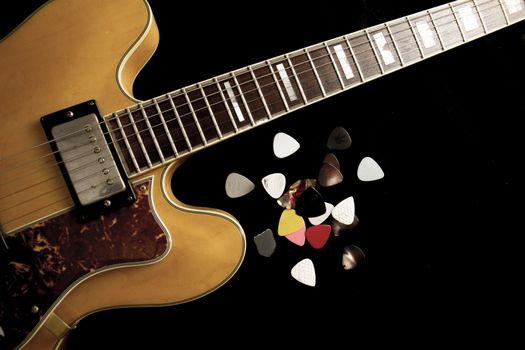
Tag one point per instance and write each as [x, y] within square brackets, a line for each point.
[382, 26]
[59, 200]
[145, 104]
[149, 103]
[440, 8]
[330, 63]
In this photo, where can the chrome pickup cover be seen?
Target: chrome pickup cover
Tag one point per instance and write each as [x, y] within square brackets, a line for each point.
[87, 159]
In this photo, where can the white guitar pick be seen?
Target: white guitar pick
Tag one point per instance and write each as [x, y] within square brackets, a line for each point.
[369, 170]
[284, 145]
[274, 184]
[318, 220]
[238, 185]
[304, 272]
[344, 211]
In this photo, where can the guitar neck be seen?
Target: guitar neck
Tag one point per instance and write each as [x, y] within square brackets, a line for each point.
[160, 130]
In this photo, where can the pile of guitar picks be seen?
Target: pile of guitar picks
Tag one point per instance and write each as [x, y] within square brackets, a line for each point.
[306, 217]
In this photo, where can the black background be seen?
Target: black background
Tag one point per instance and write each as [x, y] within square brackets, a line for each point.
[440, 231]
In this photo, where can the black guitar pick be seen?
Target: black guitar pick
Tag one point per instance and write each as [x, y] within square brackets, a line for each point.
[310, 203]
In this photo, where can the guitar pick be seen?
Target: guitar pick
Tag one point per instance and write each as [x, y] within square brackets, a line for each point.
[238, 185]
[329, 175]
[339, 228]
[369, 170]
[339, 139]
[265, 243]
[317, 220]
[331, 159]
[2, 334]
[310, 203]
[300, 186]
[284, 145]
[344, 211]
[288, 200]
[274, 184]
[318, 235]
[297, 237]
[304, 272]
[352, 256]
[289, 223]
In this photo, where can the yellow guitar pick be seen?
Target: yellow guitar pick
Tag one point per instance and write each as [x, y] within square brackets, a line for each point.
[290, 222]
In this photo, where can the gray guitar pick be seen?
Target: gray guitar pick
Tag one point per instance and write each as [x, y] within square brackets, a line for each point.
[265, 243]
[339, 139]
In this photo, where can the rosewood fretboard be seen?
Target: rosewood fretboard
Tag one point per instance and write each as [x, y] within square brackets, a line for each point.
[157, 131]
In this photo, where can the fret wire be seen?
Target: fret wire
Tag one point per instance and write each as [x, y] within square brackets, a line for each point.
[334, 65]
[460, 26]
[480, 17]
[507, 19]
[126, 142]
[405, 30]
[114, 141]
[258, 88]
[441, 7]
[177, 117]
[165, 126]
[194, 115]
[154, 138]
[357, 63]
[296, 77]
[438, 34]
[411, 30]
[278, 86]
[375, 52]
[401, 31]
[226, 104]
[137, 135]
[315, 72]
[355, 58]
[411, 27]
[457, 22]
[401, 60]
[242, 98]
[212, 115]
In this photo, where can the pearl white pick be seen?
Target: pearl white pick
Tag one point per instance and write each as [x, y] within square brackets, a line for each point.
[369, 170]
[318, 220]
[304, 272]
[274, 184]
[344, 211]
[284, 145]
[238, 185]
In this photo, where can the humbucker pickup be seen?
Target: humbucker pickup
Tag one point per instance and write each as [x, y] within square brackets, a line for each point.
[87, 158]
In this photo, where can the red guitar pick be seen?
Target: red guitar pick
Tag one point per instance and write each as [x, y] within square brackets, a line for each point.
[318, 235]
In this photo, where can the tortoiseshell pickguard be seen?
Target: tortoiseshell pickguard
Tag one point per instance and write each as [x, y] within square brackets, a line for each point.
[47, 258]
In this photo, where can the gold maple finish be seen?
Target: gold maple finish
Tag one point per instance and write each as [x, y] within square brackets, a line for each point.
[70, 52]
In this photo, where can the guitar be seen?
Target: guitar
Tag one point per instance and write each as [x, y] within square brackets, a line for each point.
[42, 206]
